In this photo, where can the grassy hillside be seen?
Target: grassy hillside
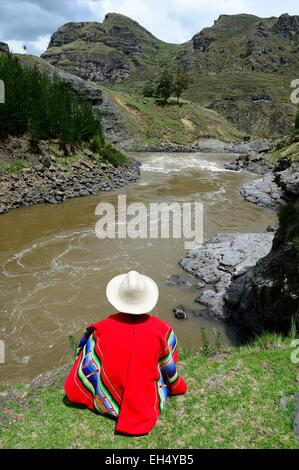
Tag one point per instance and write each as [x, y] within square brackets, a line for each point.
[241, 398]
[153, 123]
[144, 119]
[241, 67]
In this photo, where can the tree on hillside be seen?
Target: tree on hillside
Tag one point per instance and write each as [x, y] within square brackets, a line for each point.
[181, 83]
[149, 89]
[165, 85]
[297, 121]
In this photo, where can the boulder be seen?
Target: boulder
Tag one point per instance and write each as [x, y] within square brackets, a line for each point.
[216, 261]
[4, 47]
[264, 192]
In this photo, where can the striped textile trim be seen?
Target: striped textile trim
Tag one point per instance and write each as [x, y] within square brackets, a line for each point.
[162, 390]
[83, 340]
[89, 373]
[166, 363]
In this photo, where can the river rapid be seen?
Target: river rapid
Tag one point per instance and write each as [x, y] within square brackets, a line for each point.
[54, 269]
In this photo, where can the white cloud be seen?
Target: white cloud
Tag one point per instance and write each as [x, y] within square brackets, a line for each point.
[154, 16]
[33, 21]
[16, 46]
[41, 43]
[35, 47]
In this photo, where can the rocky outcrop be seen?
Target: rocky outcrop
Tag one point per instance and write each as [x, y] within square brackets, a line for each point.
[279, 184]
[264, 192]
[52, 183]
[4, 47]
[101, 52]
[288, 181]
[202, 42]
[287, 26]
[216, 262]
[267, 296]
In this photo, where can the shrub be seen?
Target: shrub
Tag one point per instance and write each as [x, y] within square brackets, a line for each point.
[149, 90]
[14, 167]
[97, 143]
[113, 155]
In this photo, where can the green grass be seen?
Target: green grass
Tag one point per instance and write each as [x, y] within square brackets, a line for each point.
[233, 402]
[14, 167]
[183, 123]
[291, 151]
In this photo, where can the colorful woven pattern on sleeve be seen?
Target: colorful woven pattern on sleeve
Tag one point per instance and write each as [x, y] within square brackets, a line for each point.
[166, 363]
[83, 340]
[89, 374]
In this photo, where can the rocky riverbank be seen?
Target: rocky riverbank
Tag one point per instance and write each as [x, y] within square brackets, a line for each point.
[279, 182]
[253, 279]
[208, 145]
[217, 262]
[55, 183]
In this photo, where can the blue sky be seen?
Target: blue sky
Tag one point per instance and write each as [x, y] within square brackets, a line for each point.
[32, 22]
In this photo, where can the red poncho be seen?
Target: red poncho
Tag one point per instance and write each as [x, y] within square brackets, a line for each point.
[126, 367]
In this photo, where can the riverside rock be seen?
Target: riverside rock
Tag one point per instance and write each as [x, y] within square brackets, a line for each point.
[218, 260]
[266, 297]
[264, 192]
[52, 185]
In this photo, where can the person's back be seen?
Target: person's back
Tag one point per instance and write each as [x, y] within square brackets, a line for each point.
[126, 368]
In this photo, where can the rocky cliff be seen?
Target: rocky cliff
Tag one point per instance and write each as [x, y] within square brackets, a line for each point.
[241, 67]
[267, 296]
[105, 52]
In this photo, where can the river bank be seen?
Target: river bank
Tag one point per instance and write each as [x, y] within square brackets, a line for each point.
[241, 275]
[208, 145]
[56, 183]
[279, 168]
[238, 398]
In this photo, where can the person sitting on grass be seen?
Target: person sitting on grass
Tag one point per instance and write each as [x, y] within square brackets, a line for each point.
[126, 364]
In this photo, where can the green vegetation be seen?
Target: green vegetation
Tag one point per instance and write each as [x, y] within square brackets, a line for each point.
[289, 150]
[43, 107]
[112, 155]
[297, 121]
[180, 84]
[14, 167]
[240, 398]
[154, 124]
[47, 116]
[167, 84]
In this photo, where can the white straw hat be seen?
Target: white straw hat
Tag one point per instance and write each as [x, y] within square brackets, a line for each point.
[132, 293]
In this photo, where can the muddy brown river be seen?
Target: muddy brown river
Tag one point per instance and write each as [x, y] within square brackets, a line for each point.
[54, 269]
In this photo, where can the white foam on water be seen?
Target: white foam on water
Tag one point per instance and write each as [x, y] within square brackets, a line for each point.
[165, 163]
